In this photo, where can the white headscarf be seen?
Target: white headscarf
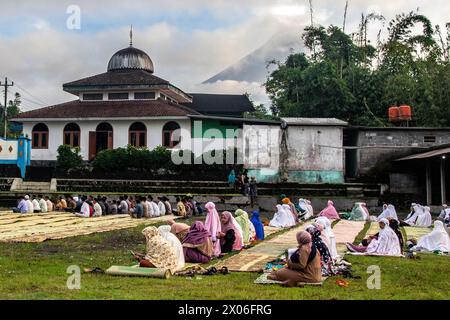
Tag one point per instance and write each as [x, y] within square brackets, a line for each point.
[412, 218]
[326, 224]
[387, 242]
[175, 243]
[389, 212]
[282, 218]
[307, 207]
[437, 239]
[424, 219]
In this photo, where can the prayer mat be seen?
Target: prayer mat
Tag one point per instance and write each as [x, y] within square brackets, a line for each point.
[256, 258]
[373, 255]
[416, 232]
[262, 279]
[346, 231]
[42, 227]
[134, 271]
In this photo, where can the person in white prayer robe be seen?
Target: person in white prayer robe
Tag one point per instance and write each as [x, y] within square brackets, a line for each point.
[282, 218]
[436, 240]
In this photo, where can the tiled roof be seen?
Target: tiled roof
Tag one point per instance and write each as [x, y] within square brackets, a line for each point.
[109, 109]
[118, 78]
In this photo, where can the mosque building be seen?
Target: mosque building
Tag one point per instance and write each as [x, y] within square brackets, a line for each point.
[128, 105]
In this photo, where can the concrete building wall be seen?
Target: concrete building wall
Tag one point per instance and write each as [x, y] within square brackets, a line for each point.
[120, 135]
[375, 146]
[305, 154]
[315, 154]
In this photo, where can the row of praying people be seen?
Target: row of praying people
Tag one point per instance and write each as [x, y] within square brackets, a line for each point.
[420, 216]
[172, 245]
[34, 204]
[90, 206]
[287, 214]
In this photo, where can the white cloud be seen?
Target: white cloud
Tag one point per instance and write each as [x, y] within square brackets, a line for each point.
[43, 58]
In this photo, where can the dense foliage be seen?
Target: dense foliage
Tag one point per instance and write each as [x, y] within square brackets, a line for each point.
[346, 77]
[160, 158]
[13, 111]
[68, 158]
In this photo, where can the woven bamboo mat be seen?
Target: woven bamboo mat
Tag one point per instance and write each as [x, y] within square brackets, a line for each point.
[346, 231]
[256, 258]
[416, 232]
[42, 227]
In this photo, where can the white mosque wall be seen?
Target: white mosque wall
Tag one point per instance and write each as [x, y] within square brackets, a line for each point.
[120, 135]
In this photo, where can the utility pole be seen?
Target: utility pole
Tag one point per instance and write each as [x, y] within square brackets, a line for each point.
[5, 106]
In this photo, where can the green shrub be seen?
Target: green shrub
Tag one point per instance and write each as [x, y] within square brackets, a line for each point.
[69, 158]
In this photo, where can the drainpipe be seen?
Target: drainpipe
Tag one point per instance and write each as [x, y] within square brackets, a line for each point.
[284, 152]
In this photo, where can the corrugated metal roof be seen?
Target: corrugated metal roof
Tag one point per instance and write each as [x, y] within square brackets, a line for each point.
[315, 121]
[426, 155]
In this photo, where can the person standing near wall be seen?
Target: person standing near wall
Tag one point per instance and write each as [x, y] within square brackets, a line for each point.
[252, 191]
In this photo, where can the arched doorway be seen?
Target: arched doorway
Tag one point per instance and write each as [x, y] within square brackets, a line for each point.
[100, 139]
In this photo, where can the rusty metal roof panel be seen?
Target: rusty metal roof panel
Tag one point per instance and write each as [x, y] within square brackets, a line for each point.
[426, 155]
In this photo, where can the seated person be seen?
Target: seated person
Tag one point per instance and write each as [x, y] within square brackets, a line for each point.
[282, 218]
[160, 254]
[386, 243]
[197, 244]
[325, 255]
[22, 207]
[71, 205]
[303, 265]
[180, 230]
[436, 240]
[330, 212]
[50, 206]
[86, 210]
[359, 212]
[112, 207]
[389, 212]
[61, 204]
[138, 210]
[230, 236]
[175, 243]
[258, 226]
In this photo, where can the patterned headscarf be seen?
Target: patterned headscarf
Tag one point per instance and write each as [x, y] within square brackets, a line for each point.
[159, 251]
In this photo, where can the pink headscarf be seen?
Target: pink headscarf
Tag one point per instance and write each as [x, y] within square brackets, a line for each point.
[232, 224]
[212, 224]
[330, 212]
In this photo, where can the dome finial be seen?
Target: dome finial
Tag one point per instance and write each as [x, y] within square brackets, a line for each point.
[131, 36]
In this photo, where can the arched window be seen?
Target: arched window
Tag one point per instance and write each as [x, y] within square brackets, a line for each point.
[104, 127]
[72, 135]
[40, 136]
[137, 136]
[171, 137]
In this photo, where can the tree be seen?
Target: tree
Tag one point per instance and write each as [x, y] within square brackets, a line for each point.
[69, 158]
[13, 111]
[345, 76]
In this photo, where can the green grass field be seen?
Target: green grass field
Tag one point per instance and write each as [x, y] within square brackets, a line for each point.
[38, 271]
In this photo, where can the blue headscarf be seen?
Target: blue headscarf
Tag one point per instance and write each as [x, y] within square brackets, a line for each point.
[259, 227]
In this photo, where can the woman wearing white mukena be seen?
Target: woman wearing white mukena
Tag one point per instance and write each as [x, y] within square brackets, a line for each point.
[419, 217]
[282, 218]
[436, 240]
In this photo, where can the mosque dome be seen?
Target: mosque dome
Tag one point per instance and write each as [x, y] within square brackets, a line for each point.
[130, 58]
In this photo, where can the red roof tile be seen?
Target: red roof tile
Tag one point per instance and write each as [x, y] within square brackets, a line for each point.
[109, 109]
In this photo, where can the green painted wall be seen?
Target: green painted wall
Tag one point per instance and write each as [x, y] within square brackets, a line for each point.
[201, 131]
[270, 176]
[316, 176]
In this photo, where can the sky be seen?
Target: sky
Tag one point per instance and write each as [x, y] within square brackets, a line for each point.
[189, 41]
